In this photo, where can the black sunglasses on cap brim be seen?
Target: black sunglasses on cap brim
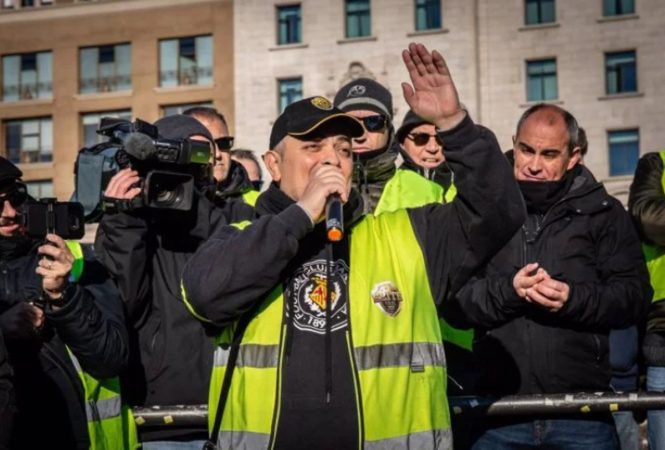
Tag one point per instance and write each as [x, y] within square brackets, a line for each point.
[374, 123]
[421, 139]
[224, 143]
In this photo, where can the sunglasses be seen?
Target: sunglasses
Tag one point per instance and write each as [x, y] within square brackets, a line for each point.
[421, 139]
[375, 123]
[224, 143]
[16, 196]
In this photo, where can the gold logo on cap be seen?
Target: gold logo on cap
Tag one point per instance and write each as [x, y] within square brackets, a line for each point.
[387, 297]
[322, 103]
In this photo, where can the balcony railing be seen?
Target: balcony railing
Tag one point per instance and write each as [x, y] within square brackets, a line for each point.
[186, 77]
[14, 92]
[106, 84]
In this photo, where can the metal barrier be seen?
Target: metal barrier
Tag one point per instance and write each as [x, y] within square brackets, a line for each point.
[601, 402]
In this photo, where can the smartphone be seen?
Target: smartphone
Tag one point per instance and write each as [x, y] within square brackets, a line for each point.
[65, 219]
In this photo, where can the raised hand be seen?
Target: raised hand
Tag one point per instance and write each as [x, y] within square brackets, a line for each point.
[433, 95]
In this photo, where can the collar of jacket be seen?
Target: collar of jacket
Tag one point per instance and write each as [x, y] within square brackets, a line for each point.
[375, 166]
[236, 183]
[274, 201]
[15, 247]
[441, 175]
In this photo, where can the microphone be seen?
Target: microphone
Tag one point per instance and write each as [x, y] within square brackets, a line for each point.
[140, 146]
[334, 218]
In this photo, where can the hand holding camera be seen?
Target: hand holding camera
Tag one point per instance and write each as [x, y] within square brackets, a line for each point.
[55, 266]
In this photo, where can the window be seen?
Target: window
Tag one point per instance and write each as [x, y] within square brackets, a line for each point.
[620, 72]
[185, 61]
[428, 14]
[539, 11]
[288, 24]
[618, 7]
[29, 140]
[541, 82]
[358, 22]
[27, 76]
[624, 147]
[7, 4]
[289, 91]
[178, 109]
[90, 124]
[40, 189]
[105, 69]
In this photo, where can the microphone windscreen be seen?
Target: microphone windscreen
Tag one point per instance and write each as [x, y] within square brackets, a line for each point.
[139, 146]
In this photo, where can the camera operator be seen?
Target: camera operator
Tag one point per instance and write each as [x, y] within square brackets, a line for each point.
[63, 325]
[145, 249]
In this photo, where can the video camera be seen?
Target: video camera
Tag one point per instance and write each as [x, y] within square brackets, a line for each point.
[51, 216]
[169, 170]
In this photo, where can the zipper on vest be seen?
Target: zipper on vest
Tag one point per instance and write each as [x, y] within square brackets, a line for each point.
[278, 391]
[356, 386]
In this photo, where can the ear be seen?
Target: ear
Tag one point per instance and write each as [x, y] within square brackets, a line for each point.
[272, 160]
[514, 140]
[574, 158]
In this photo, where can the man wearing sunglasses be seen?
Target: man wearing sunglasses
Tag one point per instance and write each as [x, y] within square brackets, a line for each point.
[375, 152]
[62, 322]
[232, 181]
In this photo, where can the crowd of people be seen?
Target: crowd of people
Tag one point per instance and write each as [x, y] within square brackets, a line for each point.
[462, 270]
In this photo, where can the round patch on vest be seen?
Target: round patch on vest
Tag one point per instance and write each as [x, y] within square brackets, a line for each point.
[387, 298]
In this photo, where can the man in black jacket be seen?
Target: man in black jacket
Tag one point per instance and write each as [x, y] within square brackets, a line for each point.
[145, 251]
[546, 302]
[82, 318]
[231, 178]
[349, 313]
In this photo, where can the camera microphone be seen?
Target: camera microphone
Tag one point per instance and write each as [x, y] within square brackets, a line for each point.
[140, 146]
[334, 218]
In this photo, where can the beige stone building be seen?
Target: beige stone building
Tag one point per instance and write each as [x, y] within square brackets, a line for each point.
[66, 63]
[603, 60]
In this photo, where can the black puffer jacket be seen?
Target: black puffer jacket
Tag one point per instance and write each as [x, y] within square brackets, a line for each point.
[586, 240]
[90, 324]
[172, 352]
[7, 402]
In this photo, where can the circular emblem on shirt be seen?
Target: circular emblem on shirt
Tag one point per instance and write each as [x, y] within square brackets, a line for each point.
[310, 290]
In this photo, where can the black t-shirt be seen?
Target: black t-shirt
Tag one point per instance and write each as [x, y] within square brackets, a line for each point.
[307, 420]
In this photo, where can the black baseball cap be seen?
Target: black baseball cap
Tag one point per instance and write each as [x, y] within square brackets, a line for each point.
[304, 117]
[9, 173]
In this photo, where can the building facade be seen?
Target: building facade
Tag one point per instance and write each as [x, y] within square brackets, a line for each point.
[600, 59]
[603, 60]
[65, 64]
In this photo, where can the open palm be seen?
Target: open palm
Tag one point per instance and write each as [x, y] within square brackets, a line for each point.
[433, 95]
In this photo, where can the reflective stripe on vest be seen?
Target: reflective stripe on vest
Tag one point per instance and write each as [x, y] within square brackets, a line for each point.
[398, 358]
[408, 189]
[110, 424]
[655, 256]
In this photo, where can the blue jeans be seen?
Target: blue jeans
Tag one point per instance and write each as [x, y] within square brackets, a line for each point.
[656, 419]
[173, 445]
[559, 434]
[627, 429]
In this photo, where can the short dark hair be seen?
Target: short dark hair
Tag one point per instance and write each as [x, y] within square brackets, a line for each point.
[243, 153]
[571, 123]
[205, 112]
[582, 141]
